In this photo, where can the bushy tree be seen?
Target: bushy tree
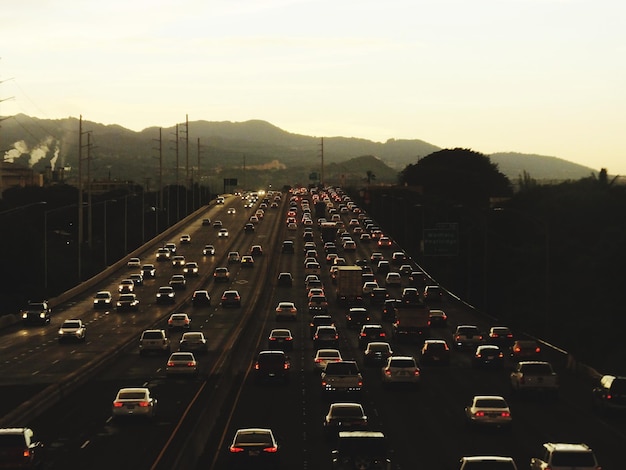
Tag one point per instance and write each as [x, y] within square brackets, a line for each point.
[457, 176]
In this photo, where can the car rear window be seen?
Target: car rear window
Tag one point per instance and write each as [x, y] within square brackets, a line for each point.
[254, 438]
[488, 465]
[573, 459]
[132, 395]
[152, 335]
[342, 368]
[269, 359]
[402, 363]
[10, 441]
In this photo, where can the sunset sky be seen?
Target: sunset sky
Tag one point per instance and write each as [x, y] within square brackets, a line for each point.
[545, 77]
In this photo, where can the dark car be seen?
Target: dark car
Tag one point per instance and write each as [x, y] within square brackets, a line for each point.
[288, 247]
[488, 355]
[230, 298]
[201, 298]
[433, 294]
[272, 365]
[361, 450]
[165, 295]
[379, 295]
[285, 279]
[410, 296]
[525, 350]
[376, 353]
[20, 449]
[502, 336]
[320, 320]
[610, 393]
[390, 308]
[356, 317]
[371, 333]
[37, 312]
[435, 352]
[254, 448]
[249, 227]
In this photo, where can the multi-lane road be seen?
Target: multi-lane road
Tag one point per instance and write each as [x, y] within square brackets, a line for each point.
[196, 418]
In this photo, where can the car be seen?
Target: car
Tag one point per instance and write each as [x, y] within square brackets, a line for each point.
[368, 287]
[201, 298]
[222, 233]
[501, 335]
[181, 363]
[379, 295]
[179, 321]
[256, 250]
[230, 298]
[163, 254]
[325, 335]
[525, 350]
[134, 262]
[137, 278]
[318, 303]
[437, 318]
[383, 267]
[356, 317]
[127, 302]
[102, 299]
[165, 295]
[433, 293]
[324, 356]
[310, 279]
[349, 245]
[73, 329]
[220, 200]
[361, 450]
[492, 462]
[217, 224]
[249, 227]
[254, 448]
[191, 269]
[488, 355]
[231, 210]
[291, 226]
[609, 393]
[320, 320]
[20, 449]
[565, 456]
[280, 338]
[489, 410]
[365, 238]
[134, 401]
[37, 312]
[285, 279]
[435, 352]
[417, 278]
[178, 261]
[390, 309]
[185, 239]
[233, 257]
[126, 286]
[344, 416]
[393, 279]
[371, 332]
[178, 282]
[193, 341]
[272, 365]
[376, 353]
[286, 309]
[405, 270]
[313, 291]
[383, 241]
[148, 271]
[255, 219]
[287, 247]
[206, 221]
[398, 257]
[208, 250]
[171, 246]
[312, 267]
[467, 336]
[400, 369]
[247, 261]
[154, 341]
[410, 297]
[221, 274]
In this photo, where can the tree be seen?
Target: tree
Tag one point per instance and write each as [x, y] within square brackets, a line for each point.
[457, 176]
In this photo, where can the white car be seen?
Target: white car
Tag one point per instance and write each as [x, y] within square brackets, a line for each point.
[489, 410]
[222, 233]
[286, 310]
[72, 330]
[134, 263]
[126, 286]
[179, 320]
[181, 363]
[102, 299]
[185, 239]
[134, 402]
[324, 356]
[400, 369]
[231, 210]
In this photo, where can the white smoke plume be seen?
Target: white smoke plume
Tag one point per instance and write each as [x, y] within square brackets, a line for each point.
[37, 153]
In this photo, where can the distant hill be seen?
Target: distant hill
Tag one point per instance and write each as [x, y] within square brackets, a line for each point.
[250, 151]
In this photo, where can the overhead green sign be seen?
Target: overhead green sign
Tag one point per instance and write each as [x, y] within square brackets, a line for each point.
[441, 241]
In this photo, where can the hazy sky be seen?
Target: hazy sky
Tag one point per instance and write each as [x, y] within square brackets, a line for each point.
[532, 76]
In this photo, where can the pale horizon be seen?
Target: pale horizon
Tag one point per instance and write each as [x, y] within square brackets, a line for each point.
[538, 77]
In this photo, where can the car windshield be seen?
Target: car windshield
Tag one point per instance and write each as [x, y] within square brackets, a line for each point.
[192, 336]
[573, 459]
[132, 395]
[346, 410]
[152, 335]
[71, 324]
[436, 347]
[181, 357]
[11, 441]
[343, 368]
[402, 363]
[256, 438]
[362, 445]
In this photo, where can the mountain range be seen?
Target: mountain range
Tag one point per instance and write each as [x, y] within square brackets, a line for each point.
[249, 151]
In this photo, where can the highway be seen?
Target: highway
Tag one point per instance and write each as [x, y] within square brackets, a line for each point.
[197, 417]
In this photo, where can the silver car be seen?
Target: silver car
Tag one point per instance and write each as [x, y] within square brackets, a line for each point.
[193, 341]
[134, 402]
[181, 363]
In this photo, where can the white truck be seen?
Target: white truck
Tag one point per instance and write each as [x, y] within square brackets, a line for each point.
[349, 286]
[534, 376]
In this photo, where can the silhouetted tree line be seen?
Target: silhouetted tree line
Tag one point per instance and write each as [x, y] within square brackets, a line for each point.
[547, 260]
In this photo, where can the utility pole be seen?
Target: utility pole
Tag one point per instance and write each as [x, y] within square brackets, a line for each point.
[177, 189]
[198, 177]
[322, 155]
[186, 164]
[80, 196]
[160, 149]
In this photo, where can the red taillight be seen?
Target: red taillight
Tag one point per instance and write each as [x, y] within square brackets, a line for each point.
[609, 396]
[169, 322]
[537, 349]
[286, 366]
[382, 334]
[272, 339]
[271, 450]
[26, 453]
[318, 360]
[256, 366]
[191, 364]
[118, 404]
[517, 349]
[362, 335]
[480, 414]
[417, 373]
[387, 372]
[144, 404]
[170, 364]
[235, 450]
[505, 414]
[288, 339]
